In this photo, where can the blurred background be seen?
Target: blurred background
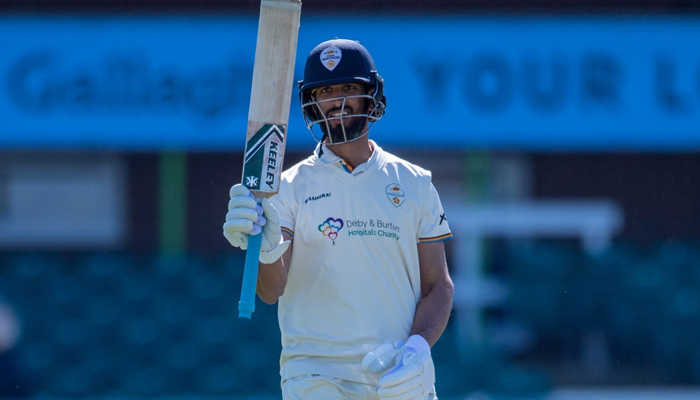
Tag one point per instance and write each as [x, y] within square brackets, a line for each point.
[563, 136]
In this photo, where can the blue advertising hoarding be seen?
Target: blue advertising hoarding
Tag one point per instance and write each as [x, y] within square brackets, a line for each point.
[517, 83]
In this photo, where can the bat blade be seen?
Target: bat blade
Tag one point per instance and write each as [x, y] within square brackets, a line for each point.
[268, 116]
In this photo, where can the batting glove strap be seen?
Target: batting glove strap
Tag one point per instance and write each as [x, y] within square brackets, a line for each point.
[413, 376]
[273, 254]
[382, 358]
[272, 246]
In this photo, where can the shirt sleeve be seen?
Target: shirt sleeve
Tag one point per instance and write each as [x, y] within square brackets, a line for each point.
[283, 203]
[433, 226]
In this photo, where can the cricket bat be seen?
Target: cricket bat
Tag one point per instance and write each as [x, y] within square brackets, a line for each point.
[268, 115]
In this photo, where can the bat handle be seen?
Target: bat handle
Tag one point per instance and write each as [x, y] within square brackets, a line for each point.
[250, 277]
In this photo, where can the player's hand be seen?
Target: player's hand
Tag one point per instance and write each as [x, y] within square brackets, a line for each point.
[245, 217]
[412, 373]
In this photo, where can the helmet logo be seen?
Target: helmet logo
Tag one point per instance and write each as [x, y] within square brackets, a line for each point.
[330, 57]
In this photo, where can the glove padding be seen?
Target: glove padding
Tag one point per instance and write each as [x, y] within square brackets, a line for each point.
[413, 374]
[245, 217]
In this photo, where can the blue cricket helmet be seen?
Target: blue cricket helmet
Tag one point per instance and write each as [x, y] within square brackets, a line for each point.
[340, 61]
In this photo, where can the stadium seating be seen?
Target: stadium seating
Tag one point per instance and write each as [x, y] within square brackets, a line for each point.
[149, 324]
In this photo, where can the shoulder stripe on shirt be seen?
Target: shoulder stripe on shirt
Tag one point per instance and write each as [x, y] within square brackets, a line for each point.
[441, 238]
[289, 231]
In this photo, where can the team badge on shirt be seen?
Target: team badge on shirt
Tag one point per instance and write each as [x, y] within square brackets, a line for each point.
[395, 194]
[330, 228]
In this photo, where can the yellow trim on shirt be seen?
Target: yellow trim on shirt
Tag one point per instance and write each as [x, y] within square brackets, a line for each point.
[289, 231]
[441, 238]
[347, 166]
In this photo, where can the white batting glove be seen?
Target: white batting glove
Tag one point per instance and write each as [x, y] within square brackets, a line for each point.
[413, 374]
[382, 358]
[245, 217]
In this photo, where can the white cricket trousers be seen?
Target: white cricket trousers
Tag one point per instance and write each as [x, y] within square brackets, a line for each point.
[321, 387]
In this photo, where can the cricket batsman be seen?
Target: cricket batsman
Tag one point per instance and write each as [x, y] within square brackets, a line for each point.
[352, 247]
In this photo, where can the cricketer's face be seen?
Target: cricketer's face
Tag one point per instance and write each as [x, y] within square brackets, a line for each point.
[344, 109]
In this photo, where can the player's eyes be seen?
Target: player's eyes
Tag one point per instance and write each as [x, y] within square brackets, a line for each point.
[349, 89]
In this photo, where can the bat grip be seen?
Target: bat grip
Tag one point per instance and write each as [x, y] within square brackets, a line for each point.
[246, 305]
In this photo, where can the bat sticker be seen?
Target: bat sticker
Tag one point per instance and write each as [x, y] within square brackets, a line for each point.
[263, 158]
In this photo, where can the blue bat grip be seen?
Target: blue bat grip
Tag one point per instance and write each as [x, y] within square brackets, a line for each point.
[250, 277]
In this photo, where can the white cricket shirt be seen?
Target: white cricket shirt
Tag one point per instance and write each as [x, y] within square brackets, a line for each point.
[354, 278]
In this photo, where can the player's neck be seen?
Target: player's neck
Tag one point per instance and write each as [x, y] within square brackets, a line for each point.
[353, 153]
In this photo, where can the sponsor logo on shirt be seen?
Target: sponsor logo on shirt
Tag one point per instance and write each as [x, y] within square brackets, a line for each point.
[395, 194]
[319, 197]
[330, 228]
[373, 227]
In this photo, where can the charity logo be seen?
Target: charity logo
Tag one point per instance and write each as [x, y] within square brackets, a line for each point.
[395, 194]
[330, 228]
[330, 57]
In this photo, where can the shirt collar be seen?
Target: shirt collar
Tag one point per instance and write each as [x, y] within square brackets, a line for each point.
[327, 157]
